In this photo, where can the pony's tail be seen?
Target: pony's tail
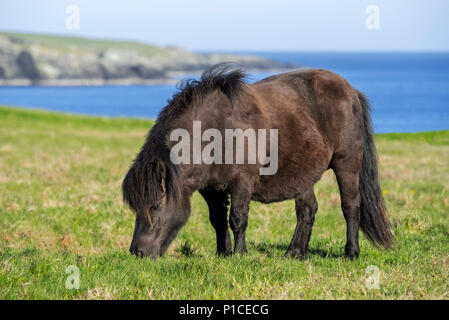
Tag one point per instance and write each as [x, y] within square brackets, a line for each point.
[373, 215]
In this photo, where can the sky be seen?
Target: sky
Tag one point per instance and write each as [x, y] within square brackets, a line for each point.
[244, 25]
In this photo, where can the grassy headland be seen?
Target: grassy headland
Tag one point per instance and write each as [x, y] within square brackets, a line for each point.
[60, 205]
[29, 59]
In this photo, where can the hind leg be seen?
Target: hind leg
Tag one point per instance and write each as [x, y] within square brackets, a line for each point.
[217, 202]
[306, 206]
[240, 199]
[347, 172]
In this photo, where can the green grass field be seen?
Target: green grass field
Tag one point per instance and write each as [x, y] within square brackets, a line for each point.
[60, 205]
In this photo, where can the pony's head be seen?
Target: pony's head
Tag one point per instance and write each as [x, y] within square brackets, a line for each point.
[150, 189]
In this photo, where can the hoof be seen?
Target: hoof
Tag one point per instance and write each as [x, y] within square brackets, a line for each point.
[241, 251]
[352, 253]
[226, 253]
[295, 254]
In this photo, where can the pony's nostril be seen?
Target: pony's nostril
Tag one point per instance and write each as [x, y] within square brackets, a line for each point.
[136, 252]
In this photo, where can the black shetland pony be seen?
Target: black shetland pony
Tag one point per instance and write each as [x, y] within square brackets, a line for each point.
[323, 123]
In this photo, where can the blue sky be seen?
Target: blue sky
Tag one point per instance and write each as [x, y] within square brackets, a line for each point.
[274, 25]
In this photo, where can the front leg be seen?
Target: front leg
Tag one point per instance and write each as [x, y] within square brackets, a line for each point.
[240, 199]
[217, 202]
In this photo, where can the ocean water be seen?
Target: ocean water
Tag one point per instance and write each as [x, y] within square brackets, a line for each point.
[409, 92]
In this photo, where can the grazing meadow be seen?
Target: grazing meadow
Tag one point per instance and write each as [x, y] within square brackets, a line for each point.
[61, 206]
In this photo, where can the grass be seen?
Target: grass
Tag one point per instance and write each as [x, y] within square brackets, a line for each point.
[60, 205]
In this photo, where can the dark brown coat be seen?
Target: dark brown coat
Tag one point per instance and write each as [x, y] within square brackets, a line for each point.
[323, 123]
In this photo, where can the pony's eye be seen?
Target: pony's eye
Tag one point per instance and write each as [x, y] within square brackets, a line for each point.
[154, 208]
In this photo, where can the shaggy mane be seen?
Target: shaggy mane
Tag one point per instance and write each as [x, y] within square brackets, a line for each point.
[223, 76]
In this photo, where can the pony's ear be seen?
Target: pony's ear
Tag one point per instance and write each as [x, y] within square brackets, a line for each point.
[159, 173]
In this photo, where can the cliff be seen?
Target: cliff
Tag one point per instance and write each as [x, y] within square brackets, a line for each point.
[35, 59]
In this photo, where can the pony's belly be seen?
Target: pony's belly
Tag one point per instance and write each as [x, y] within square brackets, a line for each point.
[270, 197]
[273, 190]
[287, 184]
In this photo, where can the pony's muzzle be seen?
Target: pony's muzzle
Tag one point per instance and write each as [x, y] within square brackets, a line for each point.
[137, 253]
[142, 252]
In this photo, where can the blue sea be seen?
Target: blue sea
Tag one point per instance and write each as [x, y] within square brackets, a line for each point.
[409, 92]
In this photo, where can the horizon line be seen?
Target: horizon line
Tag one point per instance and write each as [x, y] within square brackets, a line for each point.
[218, 50]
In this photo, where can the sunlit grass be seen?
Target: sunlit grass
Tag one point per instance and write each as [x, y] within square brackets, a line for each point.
[60, 205]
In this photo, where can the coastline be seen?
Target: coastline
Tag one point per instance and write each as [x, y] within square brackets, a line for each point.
[173, 77]
[48, 60]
